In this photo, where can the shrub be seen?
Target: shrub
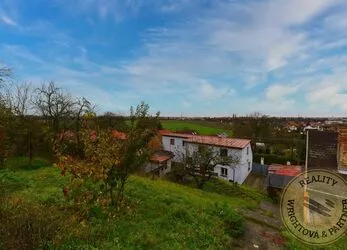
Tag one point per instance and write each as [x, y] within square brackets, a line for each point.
[24, 226]
[234, 223]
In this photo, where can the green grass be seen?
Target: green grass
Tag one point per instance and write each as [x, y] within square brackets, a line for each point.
[294, 244]
[176, 125]
[158, 214]
[23, 163]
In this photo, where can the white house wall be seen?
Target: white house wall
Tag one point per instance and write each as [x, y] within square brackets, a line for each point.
[241, 169]
[176, 149]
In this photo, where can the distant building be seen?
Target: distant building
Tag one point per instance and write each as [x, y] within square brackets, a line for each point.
[312, 128]
[280, 175]
[342, 151]
[179, 144]
[327, 150]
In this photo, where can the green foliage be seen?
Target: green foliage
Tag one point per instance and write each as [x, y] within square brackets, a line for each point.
[233, 222]
[219, 186]
[105, 159]
[294, 244]
[10, 182]
[157, 215]
[24, 163]
[272, 158]
[188, 126]
[200, 164]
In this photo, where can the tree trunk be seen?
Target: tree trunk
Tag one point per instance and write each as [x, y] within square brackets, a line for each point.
[30, 148]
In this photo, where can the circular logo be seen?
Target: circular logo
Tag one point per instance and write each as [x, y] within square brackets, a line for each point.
[314, 207]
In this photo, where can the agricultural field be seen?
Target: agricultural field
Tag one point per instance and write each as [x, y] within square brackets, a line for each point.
[199, 127]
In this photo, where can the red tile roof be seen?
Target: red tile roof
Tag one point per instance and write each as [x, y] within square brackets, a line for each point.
[287, 170]
[210, 140]
[173, 134]
[161, 156]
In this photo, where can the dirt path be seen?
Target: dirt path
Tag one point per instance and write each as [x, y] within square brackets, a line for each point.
[258, 236]
[262, 229]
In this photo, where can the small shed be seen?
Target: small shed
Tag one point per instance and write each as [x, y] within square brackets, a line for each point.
[280, 175]
[160, 163]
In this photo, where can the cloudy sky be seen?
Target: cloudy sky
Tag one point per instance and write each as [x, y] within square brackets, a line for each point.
[190, 57]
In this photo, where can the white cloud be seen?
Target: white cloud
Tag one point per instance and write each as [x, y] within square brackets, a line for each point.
[337, 21]
[21, 51]
[329, 95]
[7, 20]
[207, 55]
[277, 92]
[185, 104]
[209, 92]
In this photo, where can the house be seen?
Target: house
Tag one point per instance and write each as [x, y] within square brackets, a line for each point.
[342, 151]
[179, 144]
[279, 176]
[327, 150]
[159, 164]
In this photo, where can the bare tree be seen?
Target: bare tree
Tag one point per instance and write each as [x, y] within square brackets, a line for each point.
[53, 103]
[200, 164]
[19, 98]
[81, 107]
[5, 72]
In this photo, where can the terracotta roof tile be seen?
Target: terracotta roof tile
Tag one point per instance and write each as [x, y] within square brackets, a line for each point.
[286, 170]
[161, 156]
[211, 140]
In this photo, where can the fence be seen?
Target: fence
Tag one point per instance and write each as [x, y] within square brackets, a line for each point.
[260, 169]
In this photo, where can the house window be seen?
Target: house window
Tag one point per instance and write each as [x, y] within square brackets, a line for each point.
[172, 141]
[247, 150]
[223, 152]
[224, 172]
[249, 166]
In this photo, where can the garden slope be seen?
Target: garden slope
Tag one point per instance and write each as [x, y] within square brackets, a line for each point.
[157, 215]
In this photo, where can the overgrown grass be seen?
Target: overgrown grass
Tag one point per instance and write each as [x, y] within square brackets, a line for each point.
[23, 163]
[247, 197]
[176, 125]
[294, 244]
[157, 215]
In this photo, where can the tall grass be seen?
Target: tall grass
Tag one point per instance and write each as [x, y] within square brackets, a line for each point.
[156, 215]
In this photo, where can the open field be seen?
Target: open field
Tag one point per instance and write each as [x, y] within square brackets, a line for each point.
[202, 129]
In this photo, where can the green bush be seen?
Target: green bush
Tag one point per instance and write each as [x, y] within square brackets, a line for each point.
[234, 223]
[10, 182]
[272, 158]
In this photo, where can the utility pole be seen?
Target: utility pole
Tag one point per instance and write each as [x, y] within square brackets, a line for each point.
[306, 210]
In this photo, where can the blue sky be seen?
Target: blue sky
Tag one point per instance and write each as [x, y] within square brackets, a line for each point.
[190, 57]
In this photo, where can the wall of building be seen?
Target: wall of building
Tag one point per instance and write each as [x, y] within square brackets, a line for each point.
[241, 170]
[178, 149]
[159, 169]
